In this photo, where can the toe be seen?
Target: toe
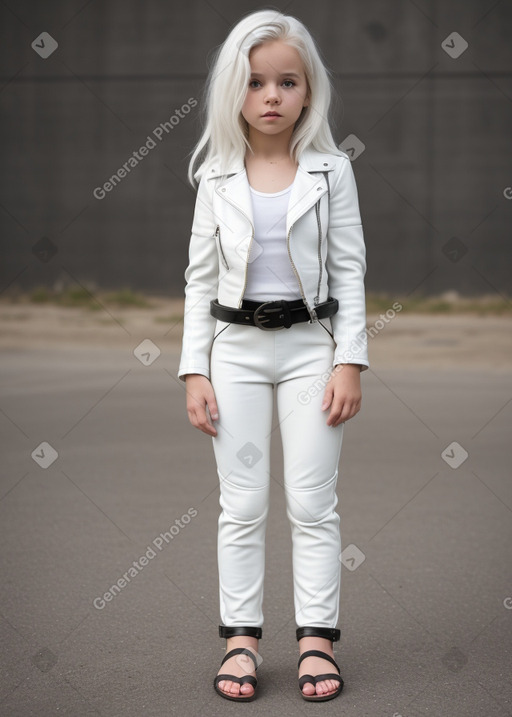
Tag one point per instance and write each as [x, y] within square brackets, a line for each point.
[232, 687]
[325, 687]
[235, 689]
[228, 686]
[308, 688]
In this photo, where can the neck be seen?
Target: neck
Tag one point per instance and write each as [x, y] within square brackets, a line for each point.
[270, 148]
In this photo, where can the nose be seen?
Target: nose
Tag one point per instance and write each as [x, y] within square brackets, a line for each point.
[272, 95]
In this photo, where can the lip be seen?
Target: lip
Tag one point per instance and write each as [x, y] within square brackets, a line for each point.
[271, 114]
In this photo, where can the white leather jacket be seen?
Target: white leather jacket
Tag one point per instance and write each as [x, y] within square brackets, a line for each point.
[325, 244]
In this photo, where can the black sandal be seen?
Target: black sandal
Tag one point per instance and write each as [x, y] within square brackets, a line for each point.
[331, 634]
[225, 631]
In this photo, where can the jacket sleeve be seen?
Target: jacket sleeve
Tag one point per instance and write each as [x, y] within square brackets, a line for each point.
[346, 268]
[201, 276]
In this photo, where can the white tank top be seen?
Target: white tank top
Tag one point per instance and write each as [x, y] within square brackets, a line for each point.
[270, 273]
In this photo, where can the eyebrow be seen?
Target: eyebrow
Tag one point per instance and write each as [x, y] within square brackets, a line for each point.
[288, 74]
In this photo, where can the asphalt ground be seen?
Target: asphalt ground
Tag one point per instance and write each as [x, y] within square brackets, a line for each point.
[425, 499]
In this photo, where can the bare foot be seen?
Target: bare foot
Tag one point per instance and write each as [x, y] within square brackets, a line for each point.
[239, 665]
[317, 666]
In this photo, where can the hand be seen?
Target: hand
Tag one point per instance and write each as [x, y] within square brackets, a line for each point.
[199, 395]
[343, 393]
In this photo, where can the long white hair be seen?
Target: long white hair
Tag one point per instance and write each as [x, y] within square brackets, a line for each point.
[225, 132]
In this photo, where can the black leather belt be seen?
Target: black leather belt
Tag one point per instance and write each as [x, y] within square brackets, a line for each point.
[271, 315]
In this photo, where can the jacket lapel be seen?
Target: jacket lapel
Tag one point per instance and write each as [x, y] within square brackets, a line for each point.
[306, 191]
[307, 188]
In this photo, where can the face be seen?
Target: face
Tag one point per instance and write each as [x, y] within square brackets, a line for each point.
[277, 84]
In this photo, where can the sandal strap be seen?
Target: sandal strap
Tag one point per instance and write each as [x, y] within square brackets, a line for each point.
[248, 630]
[318, 678]
[319, 653]
[330, 633]
[241, 680]
[239, 651]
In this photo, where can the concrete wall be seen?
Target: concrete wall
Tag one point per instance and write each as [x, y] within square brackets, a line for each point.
[432, 180]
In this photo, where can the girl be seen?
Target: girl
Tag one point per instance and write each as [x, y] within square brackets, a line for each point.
[274, 301]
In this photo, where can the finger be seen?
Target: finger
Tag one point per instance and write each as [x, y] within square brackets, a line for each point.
[328, 394]
[213, 408]
[205, 423]
[209, 429]
[208, 426]
[349, 410]
[335, 414]
[205, 426]
[199, 419]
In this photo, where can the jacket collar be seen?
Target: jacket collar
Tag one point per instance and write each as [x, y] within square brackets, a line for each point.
[311, 160]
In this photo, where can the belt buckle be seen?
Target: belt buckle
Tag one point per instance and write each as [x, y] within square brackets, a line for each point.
[280, 305]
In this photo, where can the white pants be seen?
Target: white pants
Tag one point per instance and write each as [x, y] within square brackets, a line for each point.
[246, 364]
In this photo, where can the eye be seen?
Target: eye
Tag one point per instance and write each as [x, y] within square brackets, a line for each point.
[291, 83]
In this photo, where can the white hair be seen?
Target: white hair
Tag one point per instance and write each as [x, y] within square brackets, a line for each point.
[225, 132]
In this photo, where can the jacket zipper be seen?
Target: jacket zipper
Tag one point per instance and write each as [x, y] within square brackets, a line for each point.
[246, 264]
[224, 261]
[312, 312]
[317, 297]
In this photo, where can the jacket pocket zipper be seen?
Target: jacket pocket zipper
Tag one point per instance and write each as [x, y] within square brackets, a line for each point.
[217, 234]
